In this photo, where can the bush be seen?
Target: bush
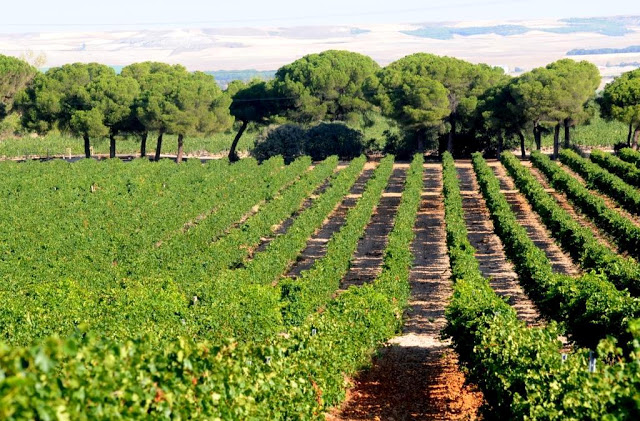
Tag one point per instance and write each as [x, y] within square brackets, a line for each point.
[328, 139]
[286, 140]
[400, 144]
[319, 142]
[10, 125]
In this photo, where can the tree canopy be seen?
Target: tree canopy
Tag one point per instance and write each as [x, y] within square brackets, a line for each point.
[15, 74]
[467, 106]
[464, 82]
[153, 106]
[578, 83]
[621, 101]
[538, 94]
[499, 116]
[416, 102]
[555, 96]
[197, 106]
[87, 100]
[91, 101]
[253, 102]
[330, 86]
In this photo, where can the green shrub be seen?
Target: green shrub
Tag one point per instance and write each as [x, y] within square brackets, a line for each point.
[10, 125]
[327, 139]
[286, 140]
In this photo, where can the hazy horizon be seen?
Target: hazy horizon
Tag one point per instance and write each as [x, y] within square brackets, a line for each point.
[516, 44]
[72, 15]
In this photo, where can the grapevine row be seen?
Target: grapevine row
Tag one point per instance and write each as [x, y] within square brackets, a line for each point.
[625, 170]
[589, 305]
[249, 291]
[108, 299]
[293, 376]
[520, 369]
[630, 155]
[602, 180]
[576, 239]
[621, 230]
[315, 286]
[206, 249]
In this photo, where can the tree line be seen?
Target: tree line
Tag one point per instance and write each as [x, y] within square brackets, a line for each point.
[434, 100]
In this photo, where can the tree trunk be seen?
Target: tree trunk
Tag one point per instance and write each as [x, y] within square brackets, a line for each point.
[143, 144]
[629, 135]
[522, 150]
[180, 148]
[537, 136]
[112, 145]
[159, 146]
[233, 156]
[452, 134]
[421, 135]
[636, 134]
[87, 146]
[567, 133]
[500, 142]
[556, 141]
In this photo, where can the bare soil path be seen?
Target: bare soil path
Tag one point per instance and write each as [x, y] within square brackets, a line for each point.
[366, 262]
[562, 200]
[317, 245]
[416, 376]
[489, 251]
[560, 261]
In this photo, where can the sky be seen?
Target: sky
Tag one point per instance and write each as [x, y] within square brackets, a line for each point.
[70, 15]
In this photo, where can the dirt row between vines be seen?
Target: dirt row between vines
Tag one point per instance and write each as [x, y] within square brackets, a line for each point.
[562, 200]
[283, 227]
[530, 220]
[317, 244]
[195, 221]
[366, 262]
[492, 260]
[416, 375]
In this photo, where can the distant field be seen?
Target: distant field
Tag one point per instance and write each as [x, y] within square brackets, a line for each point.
[63, 145]
[598, 133]
[15, 147]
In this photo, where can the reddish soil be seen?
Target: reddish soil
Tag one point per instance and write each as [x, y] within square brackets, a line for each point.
[317, 244]
[416, 376]
[366, 262]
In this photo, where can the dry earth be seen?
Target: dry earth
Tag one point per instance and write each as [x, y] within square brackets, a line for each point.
[416, 376]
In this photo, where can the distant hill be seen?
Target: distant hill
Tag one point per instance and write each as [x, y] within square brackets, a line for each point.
[223, 77]
[610, 26]
[585, 52]
[515, 45]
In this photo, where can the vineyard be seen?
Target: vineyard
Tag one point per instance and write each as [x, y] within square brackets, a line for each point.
[338, 290]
